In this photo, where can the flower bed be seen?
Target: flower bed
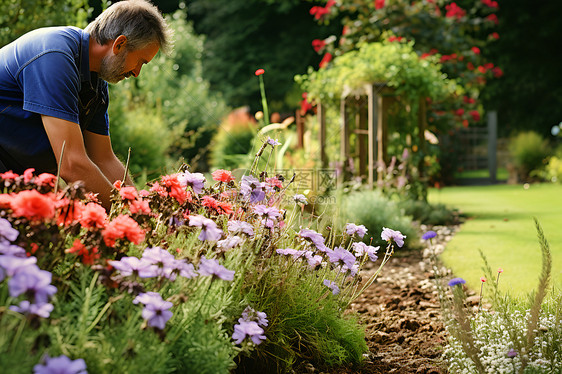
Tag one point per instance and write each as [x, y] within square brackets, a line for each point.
[186, 275]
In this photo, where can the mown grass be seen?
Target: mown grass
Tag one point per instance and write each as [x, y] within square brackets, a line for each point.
[500, 223]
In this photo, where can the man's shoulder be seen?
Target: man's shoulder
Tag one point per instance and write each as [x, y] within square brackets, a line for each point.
[62, 39]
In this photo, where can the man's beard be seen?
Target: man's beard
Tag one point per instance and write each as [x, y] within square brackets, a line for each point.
[111, 68]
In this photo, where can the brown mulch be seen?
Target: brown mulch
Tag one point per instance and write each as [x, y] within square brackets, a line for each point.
[402, 315]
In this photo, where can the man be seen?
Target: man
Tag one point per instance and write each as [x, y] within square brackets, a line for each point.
[53, 91]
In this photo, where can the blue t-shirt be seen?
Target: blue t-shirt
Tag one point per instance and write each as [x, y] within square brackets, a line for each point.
[46, 72]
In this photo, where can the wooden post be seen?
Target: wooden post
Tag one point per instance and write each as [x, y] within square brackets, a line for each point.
[492, 145]
[344, 140]
[300, 129]
[372, 126]
[322, 135]
[422, 125]
[361, 127]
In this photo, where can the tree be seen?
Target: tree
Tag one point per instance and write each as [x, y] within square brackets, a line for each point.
[242, 36]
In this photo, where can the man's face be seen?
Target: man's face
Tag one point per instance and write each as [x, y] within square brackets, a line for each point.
[116, 67]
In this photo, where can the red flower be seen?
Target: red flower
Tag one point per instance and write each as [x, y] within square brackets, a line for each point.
[88, 258]
[490, 3]
[318, 44]
[93, 216]
[325, 60]
[470, 66]
[395, 38]
[498, 72]
[425, 55]
[459, 112]
[482, 69]
[46, 178]
[476, 50]
[224, 208]
[305, 105]
[6, 201]
[33, 205]
[128, 193]
[117, 184]
[465, 123]
[495, 35]
[210, 202]
[139, 206]
[475, 115]
[156, 187]
[453, 10]
[175, 189]
[70, 211]
[468, 100]
[274, 182]
[379, 4]
[493, 18]
[482, 279]
[120, 228]
[8, 175]
[222, 175]
[260, 71]
[28, 175]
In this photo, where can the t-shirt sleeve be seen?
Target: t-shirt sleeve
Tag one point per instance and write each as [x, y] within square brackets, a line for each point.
[50, 85]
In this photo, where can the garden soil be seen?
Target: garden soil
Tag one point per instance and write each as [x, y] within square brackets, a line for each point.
[402, 315]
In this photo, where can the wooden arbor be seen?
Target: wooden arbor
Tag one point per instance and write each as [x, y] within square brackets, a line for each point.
[372, 103]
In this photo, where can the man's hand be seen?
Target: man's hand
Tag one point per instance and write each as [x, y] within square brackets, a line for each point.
[98, 148]
[76, 165]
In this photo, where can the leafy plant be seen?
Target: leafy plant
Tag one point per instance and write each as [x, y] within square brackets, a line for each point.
[528, 150]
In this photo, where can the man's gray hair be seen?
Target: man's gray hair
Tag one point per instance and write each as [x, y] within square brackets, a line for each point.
[139, 20]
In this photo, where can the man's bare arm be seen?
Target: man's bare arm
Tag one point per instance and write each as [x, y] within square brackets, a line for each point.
[98, 148]
[76, 165]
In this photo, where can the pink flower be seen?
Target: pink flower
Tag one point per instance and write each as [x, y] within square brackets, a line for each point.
[128, 193]
[222, 176]
[260, 71]
[28, 175]
[139, 206]
[93, 216]
[123, 227]
[33, 205]
[46, 178]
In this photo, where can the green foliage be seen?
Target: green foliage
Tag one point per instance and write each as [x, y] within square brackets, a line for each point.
[20, 16]
[429, 214]
[242, 36]
[375, 211]
[394, 64]
[232, 145]
[528, 150]
[173, 107]
[552, 171]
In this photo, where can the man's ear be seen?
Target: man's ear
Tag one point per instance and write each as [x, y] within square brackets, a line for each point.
[119, 44]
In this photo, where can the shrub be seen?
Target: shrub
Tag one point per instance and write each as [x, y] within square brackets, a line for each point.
[232, 145]
[528, 150]
[373, 210]
[429, 214]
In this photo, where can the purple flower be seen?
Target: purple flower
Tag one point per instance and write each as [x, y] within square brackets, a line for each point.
[155, 310]
[272, 142]
[291, 252]
[209, 229]
[140, 267]
[332, 285]
[42, 310]
[511, 353]
[361, 249]
[269, 214]
[239, 227]
[61, 365]
[229, 243]
[456, 281]
[248, 329]
[392, 235]
[11, 250]
[252, 189]
[33, 282]
[212, 268]
[428, 235]
[314, 237]
[194, 180]
[300, 199]
[184, 269]
[352, 228]
[15, 264]
[7, 231]
[342, 256]
[312, 259]
[250, 314]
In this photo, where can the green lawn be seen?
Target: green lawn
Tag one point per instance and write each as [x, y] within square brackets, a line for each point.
[501, 225]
